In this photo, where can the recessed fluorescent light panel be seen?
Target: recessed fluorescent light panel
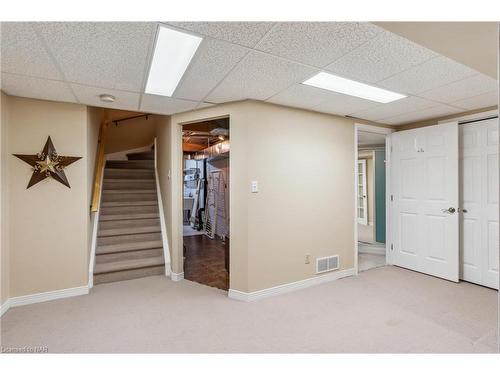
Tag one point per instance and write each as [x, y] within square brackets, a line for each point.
[173, 53]
[346, 86]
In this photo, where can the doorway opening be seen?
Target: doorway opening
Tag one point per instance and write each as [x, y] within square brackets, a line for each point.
[370, 198]
[206, 236]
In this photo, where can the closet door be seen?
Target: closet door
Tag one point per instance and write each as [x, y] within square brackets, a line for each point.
[424, 188]
[479, 202]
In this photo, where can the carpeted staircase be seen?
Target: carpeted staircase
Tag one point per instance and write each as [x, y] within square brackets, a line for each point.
[129, 242]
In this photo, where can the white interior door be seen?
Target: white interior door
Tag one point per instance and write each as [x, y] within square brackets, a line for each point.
[479, 200]
[362, 191]
[424, 188]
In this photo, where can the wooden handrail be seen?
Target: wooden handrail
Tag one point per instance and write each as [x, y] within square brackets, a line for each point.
[99, 166]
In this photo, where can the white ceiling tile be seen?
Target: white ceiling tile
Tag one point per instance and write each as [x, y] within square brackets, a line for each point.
[462, 89]
[420, 115]
[302, 96]
[259, 76]
[23, 53]
[480, 101]
[212, 62]
[243, 33]
[340, 104]
[381, 57]
[316, 43]
[90, 95]
[398, 107]
[104, 54]
[165, 105]
[431, 74]
[37, 88]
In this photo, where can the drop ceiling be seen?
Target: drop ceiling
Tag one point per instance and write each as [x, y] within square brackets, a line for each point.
[76, 62]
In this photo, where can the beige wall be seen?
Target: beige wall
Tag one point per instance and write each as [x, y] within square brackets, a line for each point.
[48, 222]
[304, 164]
[130, 134]
[4, 222]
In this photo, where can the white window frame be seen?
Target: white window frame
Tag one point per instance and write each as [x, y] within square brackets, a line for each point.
[364, 191]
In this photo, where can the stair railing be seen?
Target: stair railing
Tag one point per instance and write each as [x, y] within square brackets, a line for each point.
[99, 167]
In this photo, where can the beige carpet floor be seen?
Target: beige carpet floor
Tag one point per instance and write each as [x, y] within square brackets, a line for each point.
[385, 309]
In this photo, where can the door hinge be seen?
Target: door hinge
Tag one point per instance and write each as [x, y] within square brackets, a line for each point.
[392, 246]
[392, 198]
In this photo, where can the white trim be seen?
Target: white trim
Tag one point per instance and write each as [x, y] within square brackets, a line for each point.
[46, 296]
[177, 276]
[356, 155]
[388, 202]
[285, 288]
[387, 132]
[163, 225]
[474, 116]
[5, 307]
[95, 227]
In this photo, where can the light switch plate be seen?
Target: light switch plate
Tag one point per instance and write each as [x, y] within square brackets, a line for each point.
[255, 187]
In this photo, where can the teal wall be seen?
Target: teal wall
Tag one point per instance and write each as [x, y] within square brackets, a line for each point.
[379, 174]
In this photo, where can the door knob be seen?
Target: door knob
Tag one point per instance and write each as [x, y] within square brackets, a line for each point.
[450, 210]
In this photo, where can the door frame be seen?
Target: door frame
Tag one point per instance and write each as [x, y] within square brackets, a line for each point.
[387, 132]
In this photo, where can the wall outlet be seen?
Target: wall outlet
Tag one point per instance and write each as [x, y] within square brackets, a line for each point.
[307, 259]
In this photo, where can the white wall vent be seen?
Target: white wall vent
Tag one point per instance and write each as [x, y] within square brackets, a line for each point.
[326, 264]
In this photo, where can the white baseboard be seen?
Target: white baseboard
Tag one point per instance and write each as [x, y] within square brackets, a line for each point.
[168, 270]
[4, 307]
[45, 296]
[177, 276]
[285, 288]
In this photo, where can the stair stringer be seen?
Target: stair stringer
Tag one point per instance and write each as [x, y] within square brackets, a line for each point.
[164, 233]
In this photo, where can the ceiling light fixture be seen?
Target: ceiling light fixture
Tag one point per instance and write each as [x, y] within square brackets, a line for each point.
[107, 98]
[173, 53]
[346, 86]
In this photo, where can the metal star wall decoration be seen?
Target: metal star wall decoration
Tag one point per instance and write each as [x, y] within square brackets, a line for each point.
[48, 164]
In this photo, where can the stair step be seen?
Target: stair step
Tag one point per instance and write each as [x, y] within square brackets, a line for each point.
[147, 155]
[129, 264]
[129, 238]
[108, 198]
[128, 230]
[129, 184]
[129, 203]
[130, 164]
[128, 210]
[148, 215]
[122, 247]
[125, 191]
[138, 254]
[120, 173]
[128, 274]
[128, 224]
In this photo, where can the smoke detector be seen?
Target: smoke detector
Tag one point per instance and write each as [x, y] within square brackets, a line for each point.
[107, 98]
